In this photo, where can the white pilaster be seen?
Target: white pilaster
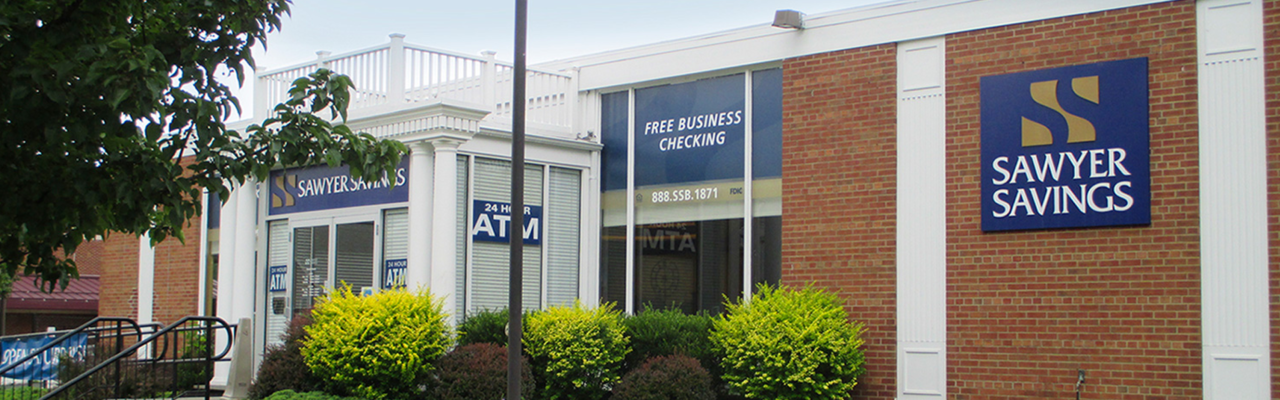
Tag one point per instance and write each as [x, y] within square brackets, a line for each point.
[1233, 200]
[146, 279]
[226, 274]
[444, 249]
[244, 270]
[421, 171]
[922, 217]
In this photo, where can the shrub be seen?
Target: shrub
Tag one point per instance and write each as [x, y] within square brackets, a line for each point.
[789, 344]
[375, 347]
[655, 333]
[677, 377]
[478, 371]
[282, 365]
[292, 395]
[486, 326]
[576, 353]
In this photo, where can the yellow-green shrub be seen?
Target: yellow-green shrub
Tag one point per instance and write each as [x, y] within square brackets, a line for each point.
[376, 347]
[576, 353]
[789, 344]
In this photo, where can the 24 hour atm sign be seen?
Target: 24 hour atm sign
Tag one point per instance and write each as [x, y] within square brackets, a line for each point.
[1066, 147]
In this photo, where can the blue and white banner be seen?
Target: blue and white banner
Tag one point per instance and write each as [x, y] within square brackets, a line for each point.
[690, 132]
[1066, 147]
[43, 367]
[491, 222]
[393, 273]
[323, 188]
[277, 278]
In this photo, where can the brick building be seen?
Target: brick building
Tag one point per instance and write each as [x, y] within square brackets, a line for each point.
[1009, 193]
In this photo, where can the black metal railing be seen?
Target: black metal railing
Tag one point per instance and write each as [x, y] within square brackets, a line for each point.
[29, 375]
[176, 361]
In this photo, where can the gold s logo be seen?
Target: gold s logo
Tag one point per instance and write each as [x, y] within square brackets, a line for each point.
[288, 199]
[1079, 130]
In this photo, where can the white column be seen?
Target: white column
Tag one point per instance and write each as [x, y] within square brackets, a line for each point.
[1234, 293]
[922, 217]
[395, 70]
[244, 271]
[226, 274]
[420, 192]
[146, 279]
[443, 246]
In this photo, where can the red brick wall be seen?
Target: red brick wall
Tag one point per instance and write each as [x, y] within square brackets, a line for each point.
[838, 166]
[177, 275]
[1272, 37]
[118, 291]
[1026, 309]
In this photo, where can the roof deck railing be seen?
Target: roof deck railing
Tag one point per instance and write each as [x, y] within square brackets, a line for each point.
[403, 74]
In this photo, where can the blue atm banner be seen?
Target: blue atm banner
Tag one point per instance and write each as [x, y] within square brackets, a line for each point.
[491, 222]
[393, 273]
[1066, 147]
[277, 278]
[690, 132]
[323, 188]
[43, 367]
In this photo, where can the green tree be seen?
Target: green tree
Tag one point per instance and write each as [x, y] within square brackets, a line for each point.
[99, 100]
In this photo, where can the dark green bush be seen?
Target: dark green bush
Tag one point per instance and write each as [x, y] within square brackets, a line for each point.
[485, 326]
[292, 395]
[656, 333]
[477, 371]
[282, 365]
[382, 346]
[676, 377]
[576, 353]
[789, 344]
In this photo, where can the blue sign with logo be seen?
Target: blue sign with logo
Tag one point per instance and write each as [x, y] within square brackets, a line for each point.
[323, 188]
[1066, 147]
[393, 273]
[690, 132]
[44, 366]
[491, 222]
[277, 278]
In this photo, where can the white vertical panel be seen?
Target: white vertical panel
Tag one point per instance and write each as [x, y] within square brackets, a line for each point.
[1233, 200]
[561, 238]
[460, 288]
[922, 220]
[279, 252]
[490, 266]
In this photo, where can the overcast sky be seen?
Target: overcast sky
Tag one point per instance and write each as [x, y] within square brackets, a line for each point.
[557, 28]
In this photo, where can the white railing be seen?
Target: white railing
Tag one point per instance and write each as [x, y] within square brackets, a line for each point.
[399, 73]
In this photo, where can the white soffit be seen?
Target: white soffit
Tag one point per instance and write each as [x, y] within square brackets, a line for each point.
[838, 30]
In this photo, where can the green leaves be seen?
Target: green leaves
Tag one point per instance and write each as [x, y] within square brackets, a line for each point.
[576, 353]
[789, 344]
[121, 95]
[376, 347]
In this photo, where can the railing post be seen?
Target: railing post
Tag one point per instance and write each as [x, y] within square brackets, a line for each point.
[395, 70]
[571, 111]
[322, 59]
[260, 90]
[488, 82]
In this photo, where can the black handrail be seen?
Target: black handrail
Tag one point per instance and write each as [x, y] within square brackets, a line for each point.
[211, 324]
[86, 327]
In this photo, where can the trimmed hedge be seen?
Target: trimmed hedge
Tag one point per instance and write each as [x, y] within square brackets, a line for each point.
[282, 365]
[477, 371]
[576, 353]
[789, 344]
[376, 347]
[677, 377]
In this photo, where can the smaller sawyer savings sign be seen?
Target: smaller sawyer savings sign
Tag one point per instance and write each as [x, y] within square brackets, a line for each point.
[323, 188]
[491, 222]
[1066, 147]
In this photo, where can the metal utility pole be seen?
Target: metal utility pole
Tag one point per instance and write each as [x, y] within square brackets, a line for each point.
[516, 237]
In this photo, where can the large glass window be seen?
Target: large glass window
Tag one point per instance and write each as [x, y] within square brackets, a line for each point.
[676, 194]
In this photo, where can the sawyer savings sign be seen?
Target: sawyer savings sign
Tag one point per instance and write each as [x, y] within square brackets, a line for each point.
[323, 188]
[1066, 147]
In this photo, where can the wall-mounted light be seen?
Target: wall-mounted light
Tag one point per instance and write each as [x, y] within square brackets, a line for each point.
[788, 19]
